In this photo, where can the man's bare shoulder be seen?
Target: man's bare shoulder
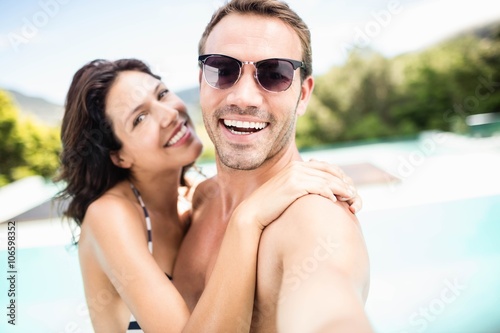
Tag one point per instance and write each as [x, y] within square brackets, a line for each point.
[315, 226]
[313, 213]
[205, 192]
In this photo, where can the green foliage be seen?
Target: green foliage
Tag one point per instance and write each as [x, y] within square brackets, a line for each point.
[10, 144]
[374, 97]
[208, 153]
[318, 125]
[26, 147]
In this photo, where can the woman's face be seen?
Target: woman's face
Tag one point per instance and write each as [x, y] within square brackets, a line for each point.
[152, 123]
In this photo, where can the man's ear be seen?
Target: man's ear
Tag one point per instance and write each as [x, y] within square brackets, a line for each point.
[306, 92]
[117, 160]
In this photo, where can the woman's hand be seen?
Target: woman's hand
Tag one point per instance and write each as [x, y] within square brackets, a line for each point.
[270, 200]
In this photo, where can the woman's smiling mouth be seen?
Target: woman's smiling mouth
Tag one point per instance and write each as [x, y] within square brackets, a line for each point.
[179, 135]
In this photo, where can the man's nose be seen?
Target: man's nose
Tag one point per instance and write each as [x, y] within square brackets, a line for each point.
[246, 92]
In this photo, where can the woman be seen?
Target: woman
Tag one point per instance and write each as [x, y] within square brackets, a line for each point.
[127, 142]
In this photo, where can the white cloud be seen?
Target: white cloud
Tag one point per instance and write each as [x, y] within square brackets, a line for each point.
[4, 42]
[423, 24]
[415, 26]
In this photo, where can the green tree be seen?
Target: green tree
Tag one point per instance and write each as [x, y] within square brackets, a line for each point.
[41, 150]
[318, 126]
[26, 147]
[11, 148]
[373, 97]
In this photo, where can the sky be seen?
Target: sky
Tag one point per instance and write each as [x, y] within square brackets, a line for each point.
[44, 42]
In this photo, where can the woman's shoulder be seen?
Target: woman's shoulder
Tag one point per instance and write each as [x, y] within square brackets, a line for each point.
[115, 207]
[112, 199]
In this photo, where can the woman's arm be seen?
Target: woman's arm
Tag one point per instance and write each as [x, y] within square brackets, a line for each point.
[115, 229]
[226, 304]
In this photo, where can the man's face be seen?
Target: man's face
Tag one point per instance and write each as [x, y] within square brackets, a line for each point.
[247, 124]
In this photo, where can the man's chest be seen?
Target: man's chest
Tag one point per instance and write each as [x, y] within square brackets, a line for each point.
[197, 254]
[197, 257]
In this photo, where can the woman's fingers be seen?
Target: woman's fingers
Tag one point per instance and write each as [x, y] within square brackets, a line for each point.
[356, 205]
[321, 173]
[327, 167]
[344, 191]
[299, 179]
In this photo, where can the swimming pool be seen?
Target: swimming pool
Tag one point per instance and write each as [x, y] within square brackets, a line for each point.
[435, 267]
[49, 292]
[433, 239]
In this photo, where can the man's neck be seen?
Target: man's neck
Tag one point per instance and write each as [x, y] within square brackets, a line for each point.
[237, 185]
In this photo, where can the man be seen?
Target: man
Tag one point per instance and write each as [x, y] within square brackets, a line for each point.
[313, 270]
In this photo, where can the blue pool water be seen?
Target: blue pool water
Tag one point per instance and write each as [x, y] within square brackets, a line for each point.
[435, 268]
[49, 292]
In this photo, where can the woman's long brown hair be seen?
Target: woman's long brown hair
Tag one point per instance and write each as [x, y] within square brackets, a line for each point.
[87, 136]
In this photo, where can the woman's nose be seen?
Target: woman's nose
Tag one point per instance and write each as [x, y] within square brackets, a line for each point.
[167, 115]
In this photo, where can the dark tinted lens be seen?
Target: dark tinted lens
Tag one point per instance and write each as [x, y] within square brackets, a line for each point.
[221, 72]
[275, 74]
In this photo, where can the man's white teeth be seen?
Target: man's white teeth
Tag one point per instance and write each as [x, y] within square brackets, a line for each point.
[245, 124]
[178, 136]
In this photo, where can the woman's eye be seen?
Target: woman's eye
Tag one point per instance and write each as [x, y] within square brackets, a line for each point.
[163, 93]
[139, 119]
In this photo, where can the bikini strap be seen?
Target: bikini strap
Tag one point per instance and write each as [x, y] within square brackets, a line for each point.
[146, 215]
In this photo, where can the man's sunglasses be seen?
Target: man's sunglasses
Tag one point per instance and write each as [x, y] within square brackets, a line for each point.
[222, 72]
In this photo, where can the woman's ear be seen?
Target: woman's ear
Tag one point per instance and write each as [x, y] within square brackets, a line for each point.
[117, 160]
